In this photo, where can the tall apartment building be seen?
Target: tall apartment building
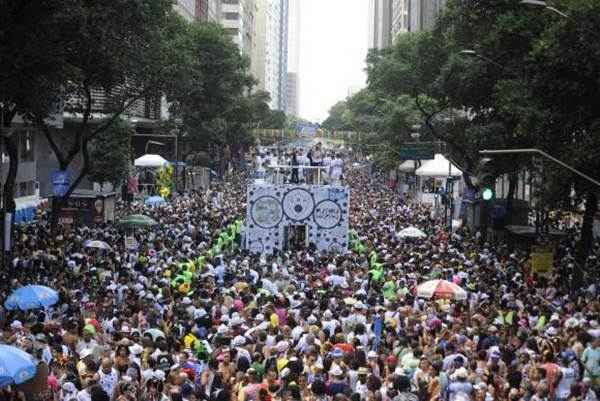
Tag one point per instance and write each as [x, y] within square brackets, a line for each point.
[283, 53]
[187, 9]
[293, 66]
[400, 17]
[207, 10]
[269, 58]
[237, 17]
[380, 24]
[414, 15]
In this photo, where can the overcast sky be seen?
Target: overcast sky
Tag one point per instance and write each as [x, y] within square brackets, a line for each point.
[333, 48]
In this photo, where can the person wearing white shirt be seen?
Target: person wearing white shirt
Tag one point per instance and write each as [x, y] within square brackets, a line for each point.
[109, 377]
[336, 170]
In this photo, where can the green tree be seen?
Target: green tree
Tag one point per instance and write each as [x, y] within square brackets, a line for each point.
[335, 121]
[120, 49]
[31, 71]
[212, 88]
[110, 155]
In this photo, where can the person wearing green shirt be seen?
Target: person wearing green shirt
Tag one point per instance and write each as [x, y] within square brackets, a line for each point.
[373, 258]
[591, 361]
[389, 290]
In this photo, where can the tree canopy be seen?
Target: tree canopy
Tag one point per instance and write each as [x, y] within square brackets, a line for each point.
[492, 74]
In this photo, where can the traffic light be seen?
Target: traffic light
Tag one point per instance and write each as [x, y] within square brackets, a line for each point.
[486, 179]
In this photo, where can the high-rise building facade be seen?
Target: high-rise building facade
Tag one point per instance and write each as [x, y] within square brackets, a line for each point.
[380, 24]
[186, 8]
[414, 15]
[293, 65]
[259, 62]
[400, 17]
[237, 17]
[273, 52]
[283, 53]
[207, 10]
[269, 59]
[293, 94]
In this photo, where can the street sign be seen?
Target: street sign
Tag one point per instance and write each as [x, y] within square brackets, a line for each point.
[542, 262]
[61, 180]
[417, 151]
[131, 243]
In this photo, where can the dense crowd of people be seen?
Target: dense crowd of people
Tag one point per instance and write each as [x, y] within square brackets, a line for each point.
[299, 326]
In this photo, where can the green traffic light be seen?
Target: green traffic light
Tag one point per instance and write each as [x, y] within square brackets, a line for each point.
[487, 194]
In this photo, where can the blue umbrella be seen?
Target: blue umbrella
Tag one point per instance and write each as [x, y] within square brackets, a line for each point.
[16, 365]
[31, 297]
[155, 201]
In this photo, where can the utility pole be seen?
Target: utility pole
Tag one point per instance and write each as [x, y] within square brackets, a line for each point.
[543, 154]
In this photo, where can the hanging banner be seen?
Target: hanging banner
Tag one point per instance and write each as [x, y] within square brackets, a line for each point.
[542, 261]
[61, 181]
[131, 243]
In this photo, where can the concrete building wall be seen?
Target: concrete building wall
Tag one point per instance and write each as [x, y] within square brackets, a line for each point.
[283, 54]
[248, 27]
[272, 51]
[258, 56]
[238, 18]
[293, 64]
[187, 9]
[380, 24]
[422, 14]
[293, 95]
[400, 17]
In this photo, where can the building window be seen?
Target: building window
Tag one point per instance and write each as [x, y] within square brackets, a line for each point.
[231, 16]
[230, 2]
[232, 31]
[25, 188]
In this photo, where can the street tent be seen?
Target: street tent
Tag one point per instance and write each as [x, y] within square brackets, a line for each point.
[408, 166]
[438, 167]
[150, 161]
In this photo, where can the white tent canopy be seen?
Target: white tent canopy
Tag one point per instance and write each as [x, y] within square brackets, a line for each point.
[438, 167]
[408, 166]
[150, 161]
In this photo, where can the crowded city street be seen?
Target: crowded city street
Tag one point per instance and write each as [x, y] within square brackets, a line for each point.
[191, 316]
[300, 200]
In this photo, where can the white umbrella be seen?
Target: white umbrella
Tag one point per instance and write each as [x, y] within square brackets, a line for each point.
[150, 161]
[441, 289]
[411, 232]
[96, 244]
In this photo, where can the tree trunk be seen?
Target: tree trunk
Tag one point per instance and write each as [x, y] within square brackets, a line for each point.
[8, 192]
[11, 178]
[59, 203]
[587, 238]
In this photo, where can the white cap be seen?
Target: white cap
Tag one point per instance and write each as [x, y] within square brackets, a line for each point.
[136, 349]
[16, 325]
[85, 353]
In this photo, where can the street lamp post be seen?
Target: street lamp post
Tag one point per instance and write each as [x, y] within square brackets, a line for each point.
[473, 53]
[544, 4]
[541, 3]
